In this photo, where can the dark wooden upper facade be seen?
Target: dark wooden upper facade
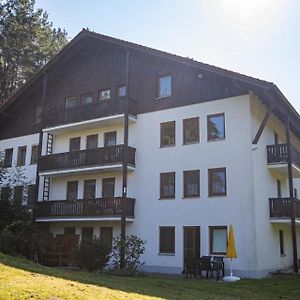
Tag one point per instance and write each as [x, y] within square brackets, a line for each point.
[92, 62]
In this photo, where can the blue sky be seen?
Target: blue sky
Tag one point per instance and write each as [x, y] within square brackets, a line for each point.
[260, 38]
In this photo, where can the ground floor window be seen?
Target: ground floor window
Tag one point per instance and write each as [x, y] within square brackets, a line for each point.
[281, 242]
[87, 233]
[218, 240]
[167, 239]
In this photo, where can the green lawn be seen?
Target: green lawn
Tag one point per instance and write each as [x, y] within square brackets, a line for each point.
[21, 279]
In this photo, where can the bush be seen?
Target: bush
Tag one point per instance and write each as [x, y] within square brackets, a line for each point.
[92, 255]
[134, 248]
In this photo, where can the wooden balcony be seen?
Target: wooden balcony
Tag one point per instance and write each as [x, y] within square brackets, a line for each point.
[277, 159]
[281, 209]
[102, 113]
[104, 158]
[84, 209]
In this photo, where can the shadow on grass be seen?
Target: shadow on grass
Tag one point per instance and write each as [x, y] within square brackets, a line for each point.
[281, 287]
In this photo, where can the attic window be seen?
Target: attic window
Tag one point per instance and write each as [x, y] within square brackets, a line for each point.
[164, 86]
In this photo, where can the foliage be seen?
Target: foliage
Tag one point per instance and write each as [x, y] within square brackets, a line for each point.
[27, 42]
[92, 255]
[134, 248]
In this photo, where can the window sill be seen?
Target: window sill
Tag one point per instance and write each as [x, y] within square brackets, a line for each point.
[166, 254]
[167, 146]
[216, 196]
[216, 140]
[218, 254]
[166, 198]
[192, 143]
[282, 255]
[162, 97]
[196, 197]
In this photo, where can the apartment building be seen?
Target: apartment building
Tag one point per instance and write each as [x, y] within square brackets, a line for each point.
[114, 137]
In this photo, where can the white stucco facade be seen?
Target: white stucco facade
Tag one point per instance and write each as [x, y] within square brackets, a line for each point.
[250, 183]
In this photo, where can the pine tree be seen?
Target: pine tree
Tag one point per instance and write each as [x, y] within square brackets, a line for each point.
[27, 42]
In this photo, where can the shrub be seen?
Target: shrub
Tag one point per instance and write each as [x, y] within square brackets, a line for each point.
[134, 248]
[92, 255]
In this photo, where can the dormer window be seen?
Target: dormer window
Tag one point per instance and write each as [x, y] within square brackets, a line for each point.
[86, 98]
[121, 91]
[164, 86]
[71, 102]
[104, 94]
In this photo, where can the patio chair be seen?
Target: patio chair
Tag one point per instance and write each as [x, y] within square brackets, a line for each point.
[218, 265]
[190, 267]
[206, 266]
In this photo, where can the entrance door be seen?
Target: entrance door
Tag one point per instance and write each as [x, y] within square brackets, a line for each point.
[191, 241]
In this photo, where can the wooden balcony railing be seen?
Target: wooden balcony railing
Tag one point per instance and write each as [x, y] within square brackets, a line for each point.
[99, 207]
[282, 207]
[101, 109]
[86, 158]
[278, 154]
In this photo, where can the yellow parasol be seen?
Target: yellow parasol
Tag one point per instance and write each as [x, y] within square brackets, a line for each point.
[231, 251]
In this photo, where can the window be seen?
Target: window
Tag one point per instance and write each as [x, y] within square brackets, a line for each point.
[69, 230]
[5, 193]
[71, 102]
[216, 127]
[167, 134]
[87, 233]
[121, 91]
[104, 94]
[108, 187]
[167, 240]
[92, 141]
[217, 182]
[106, 235]
[34, 153]
[191, 183]
[167, 185]
[110, 138]
[89, 190]
[281, 242]
[8, 157]
[87, 98]
[31, 194]
[18, 194]
[21, 156]
[74, 144]
[218, 240]
[72, 190]
[37, 115]
[191, 131]
[164, 86]
[278, 188]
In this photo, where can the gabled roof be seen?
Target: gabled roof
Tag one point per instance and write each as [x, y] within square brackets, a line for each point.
[262, 88]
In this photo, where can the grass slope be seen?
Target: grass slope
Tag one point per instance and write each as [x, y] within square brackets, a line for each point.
[21, 279]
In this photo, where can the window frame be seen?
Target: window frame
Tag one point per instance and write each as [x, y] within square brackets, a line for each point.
[106, 135]
[34, 158]
[103, 90]
[281, 242]
[161, 196]
[10, 156]
[105, 181]
[211, 231]
[162, 145]
[86, 184]
[184, 122]
[173, 241]
[72, 140]
[21, 163]
[67, 190]
[118, 88]
[185, 194]
[72, 98]
[91, 136]
[224, 125]
[210, 171]
[82, 96]
[158, 85]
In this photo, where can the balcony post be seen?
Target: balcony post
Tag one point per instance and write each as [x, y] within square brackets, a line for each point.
[125, 165]
[291, 190]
